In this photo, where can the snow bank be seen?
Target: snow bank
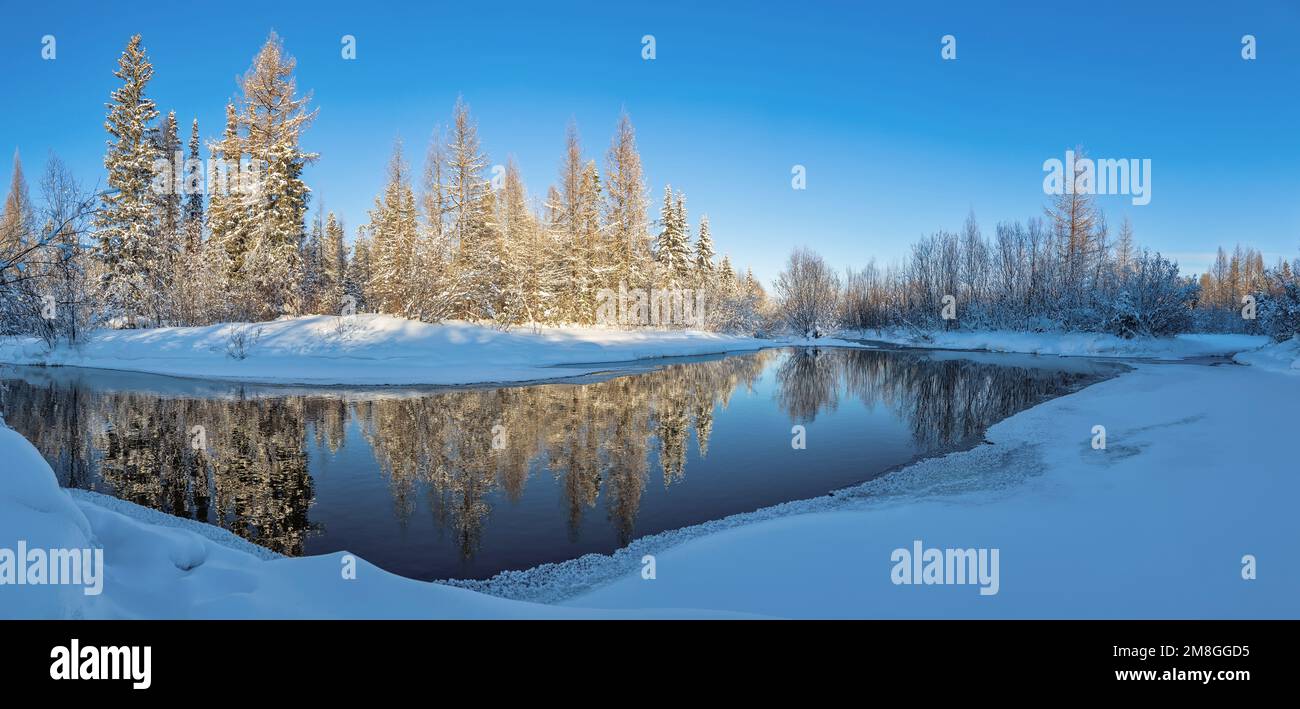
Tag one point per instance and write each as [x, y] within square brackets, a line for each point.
[1278, 357]
[1198, 472]
[1084, 344]
[373, 350]
[156, 566]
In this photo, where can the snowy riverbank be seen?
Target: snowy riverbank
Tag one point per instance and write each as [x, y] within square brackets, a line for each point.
[1198, 472]
[373, 350]
[1068, 344]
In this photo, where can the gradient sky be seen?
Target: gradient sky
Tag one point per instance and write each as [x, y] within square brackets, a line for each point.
[897, 143]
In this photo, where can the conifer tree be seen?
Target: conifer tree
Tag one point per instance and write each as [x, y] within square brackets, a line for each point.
[194, 193]
[126, 228]
[625, 208]
[273, 118]
[703, 265]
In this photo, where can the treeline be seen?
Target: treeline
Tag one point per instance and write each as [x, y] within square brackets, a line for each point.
[1062, 271]
[171, 241]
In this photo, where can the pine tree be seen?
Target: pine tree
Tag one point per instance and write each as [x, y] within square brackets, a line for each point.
[126, 228]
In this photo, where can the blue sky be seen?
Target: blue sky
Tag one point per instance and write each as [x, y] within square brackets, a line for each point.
[897, 143]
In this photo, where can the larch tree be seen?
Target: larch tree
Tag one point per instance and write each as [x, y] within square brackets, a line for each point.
[274, 117]
[475, 244]
[626, 225]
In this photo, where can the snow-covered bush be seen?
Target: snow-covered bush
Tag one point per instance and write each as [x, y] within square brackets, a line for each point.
[1154, 301]
[1279, 308]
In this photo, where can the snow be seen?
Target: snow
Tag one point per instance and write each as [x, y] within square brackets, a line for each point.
[367, 349]
[1076, 344]
[162, 567]
[1278, 357]
[1198, 471]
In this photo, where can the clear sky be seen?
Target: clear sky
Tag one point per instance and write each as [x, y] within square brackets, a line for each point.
[896, 141]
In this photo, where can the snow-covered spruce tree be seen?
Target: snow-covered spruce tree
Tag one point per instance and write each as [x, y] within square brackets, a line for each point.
[228, 218]
[333, 267]
[702, 263]
[126, 229]
[626, 224]
[194, 193]
[357, 282]
[167, 189]
[672, 246]
[310, 257]
[393, 231]
[273, 118]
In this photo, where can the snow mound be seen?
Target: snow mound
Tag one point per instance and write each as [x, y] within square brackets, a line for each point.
[1278, 357]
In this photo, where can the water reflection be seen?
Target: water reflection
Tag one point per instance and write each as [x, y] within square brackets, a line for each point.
[469, 456]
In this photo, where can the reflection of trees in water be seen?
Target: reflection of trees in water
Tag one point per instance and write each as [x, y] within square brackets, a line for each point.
[253, 479]
[944, 402]
[594, 439]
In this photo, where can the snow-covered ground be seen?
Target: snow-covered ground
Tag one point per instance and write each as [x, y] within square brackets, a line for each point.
[373, 350]
[1079, 344]
[1199, 470]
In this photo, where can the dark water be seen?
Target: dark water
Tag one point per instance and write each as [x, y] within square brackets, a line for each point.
[464, 483]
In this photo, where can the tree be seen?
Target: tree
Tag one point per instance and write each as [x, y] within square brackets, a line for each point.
[807, 293]
[625, 207]
[470, 208]
[703, 265]
[194, 194]
[228, 217]
[393, 231]
[274, 117]
[333, 272]
[672, 247]
[133, 259]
